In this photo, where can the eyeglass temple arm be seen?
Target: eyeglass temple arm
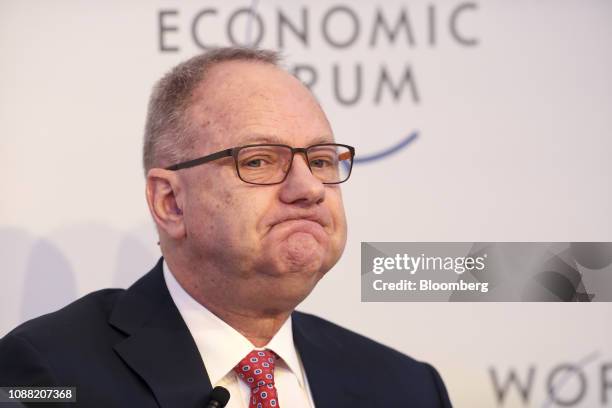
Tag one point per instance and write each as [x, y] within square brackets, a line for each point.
[345, 155]
[201, 160]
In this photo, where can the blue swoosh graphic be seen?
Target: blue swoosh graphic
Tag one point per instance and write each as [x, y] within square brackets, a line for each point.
[389, 151]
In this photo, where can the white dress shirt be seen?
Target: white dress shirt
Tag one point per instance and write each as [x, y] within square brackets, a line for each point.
[222, 347]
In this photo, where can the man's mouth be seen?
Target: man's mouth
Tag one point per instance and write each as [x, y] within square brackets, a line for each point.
[309, 224]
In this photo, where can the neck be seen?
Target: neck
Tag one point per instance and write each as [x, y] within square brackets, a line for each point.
[257, 324]
[258, 329]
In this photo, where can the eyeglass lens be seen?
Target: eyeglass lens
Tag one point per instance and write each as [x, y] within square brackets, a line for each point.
[269, 164]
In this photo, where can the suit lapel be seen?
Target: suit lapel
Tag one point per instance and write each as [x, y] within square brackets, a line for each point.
[329, 376]
[159, 347]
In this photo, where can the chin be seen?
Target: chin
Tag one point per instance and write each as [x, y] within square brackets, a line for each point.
[306, 270]
[300, 253]
[290, 282]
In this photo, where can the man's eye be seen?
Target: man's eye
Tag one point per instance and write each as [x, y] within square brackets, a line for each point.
[320, 163]
[256, 162]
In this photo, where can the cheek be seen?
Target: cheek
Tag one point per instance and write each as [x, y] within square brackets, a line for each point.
[242, 210]
[336, 207]
[340, 238]
[212, 214]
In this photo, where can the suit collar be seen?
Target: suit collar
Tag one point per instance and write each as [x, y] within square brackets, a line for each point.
[220, 345]
[330, 378]
[159, 347]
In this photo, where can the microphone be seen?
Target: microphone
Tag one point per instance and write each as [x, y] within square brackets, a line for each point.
[218, 398]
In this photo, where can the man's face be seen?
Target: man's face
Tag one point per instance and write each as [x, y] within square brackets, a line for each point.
[272, 243]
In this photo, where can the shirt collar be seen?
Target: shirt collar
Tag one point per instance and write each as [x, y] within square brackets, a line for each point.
[220, 345]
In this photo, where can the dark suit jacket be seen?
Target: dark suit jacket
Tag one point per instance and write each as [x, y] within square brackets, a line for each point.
[131, 348]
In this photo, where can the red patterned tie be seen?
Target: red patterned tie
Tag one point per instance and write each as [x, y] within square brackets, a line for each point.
[257, 371]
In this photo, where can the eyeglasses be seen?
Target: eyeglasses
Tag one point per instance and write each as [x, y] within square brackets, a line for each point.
[266, 164]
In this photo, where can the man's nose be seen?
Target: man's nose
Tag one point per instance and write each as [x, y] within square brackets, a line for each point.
[301, 186]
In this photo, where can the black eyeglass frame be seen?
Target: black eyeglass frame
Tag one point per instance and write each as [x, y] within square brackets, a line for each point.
[233, 152]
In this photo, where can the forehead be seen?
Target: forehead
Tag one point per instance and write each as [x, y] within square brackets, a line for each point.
[242, 102]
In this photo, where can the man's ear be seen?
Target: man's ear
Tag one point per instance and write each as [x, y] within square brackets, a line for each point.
[164, 197]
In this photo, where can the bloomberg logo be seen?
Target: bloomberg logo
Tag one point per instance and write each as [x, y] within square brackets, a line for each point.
[353, 57]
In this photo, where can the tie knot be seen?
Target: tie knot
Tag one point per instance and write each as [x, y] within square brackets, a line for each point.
[257, 368]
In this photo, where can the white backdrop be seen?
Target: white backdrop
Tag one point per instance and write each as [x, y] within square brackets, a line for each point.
[509, 105]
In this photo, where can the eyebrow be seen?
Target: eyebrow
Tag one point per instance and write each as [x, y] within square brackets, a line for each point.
[265, 138]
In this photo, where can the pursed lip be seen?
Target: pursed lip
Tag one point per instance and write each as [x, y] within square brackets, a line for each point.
[319, 219]
[318, 223]
[311, 220]
[292, 225]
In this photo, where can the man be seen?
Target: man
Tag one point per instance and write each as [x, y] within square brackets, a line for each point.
[243, 179]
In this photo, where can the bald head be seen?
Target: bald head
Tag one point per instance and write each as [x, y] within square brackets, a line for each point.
[168, 133]
[235, 95]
